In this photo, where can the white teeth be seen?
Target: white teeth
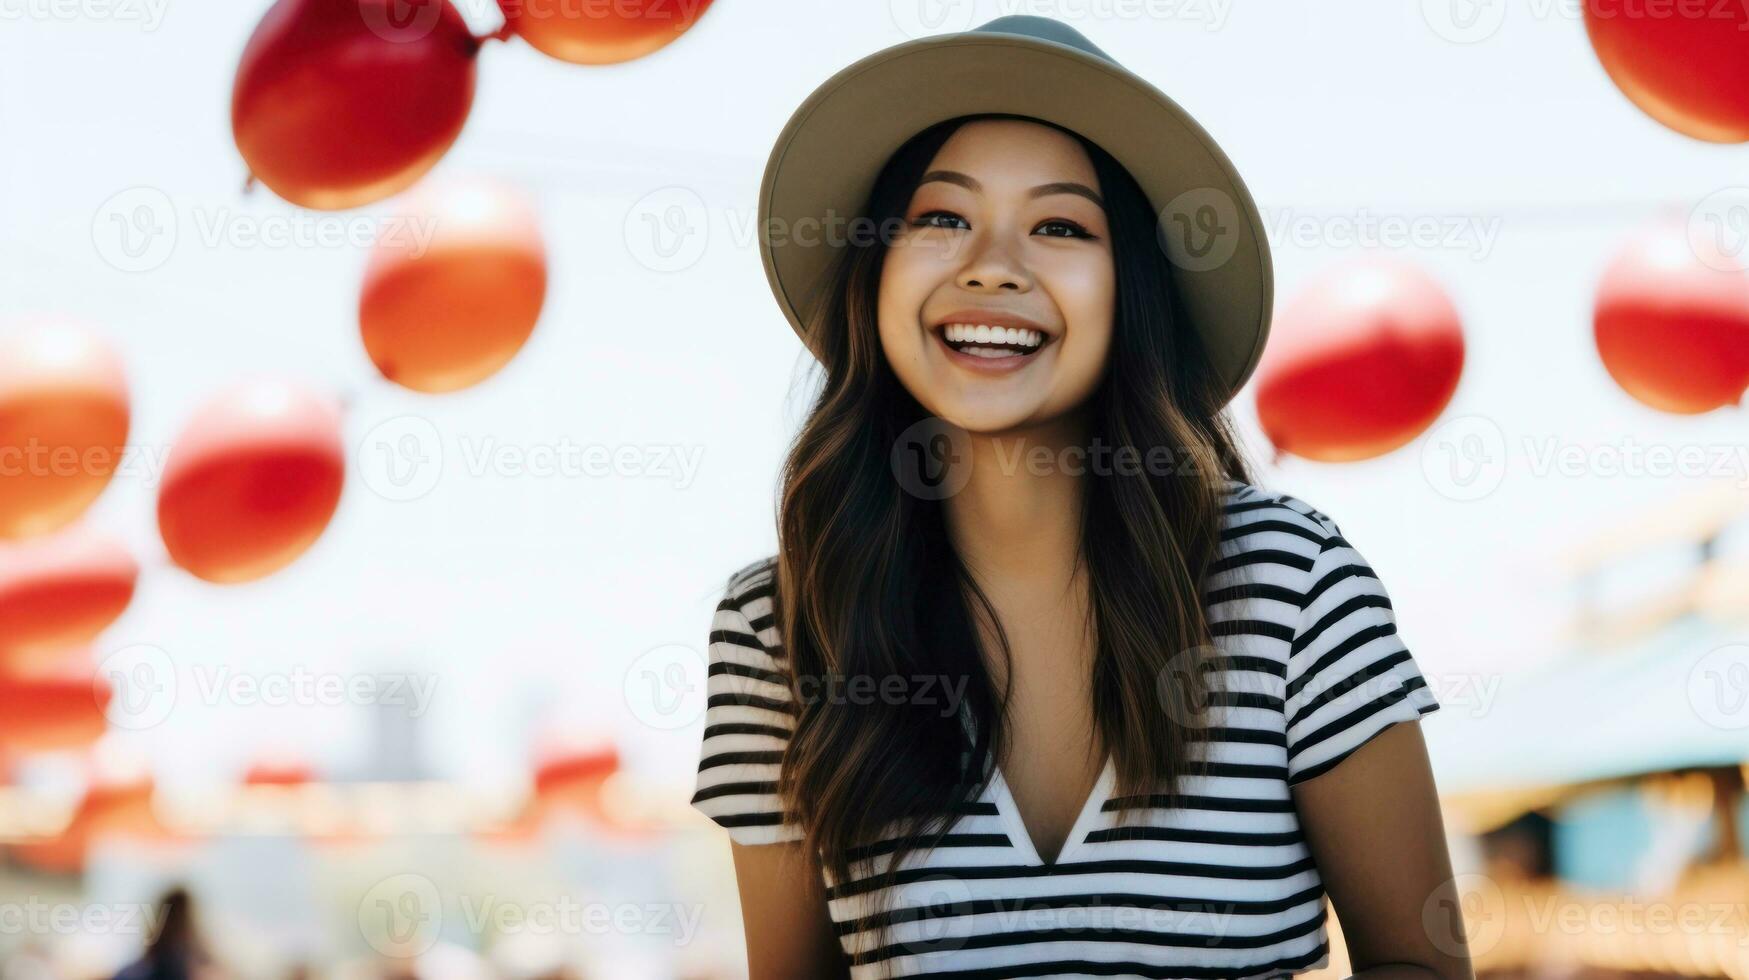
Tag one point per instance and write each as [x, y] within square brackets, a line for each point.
[985, 334]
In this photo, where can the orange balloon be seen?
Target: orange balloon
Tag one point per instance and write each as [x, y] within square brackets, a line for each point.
[252, 482]
[1686, 65]
[1672, 321]
[338, 103]
[63, 424]
[1360, 363]
[454, 286]
[60, 591]
[59, 708]
[592, 33]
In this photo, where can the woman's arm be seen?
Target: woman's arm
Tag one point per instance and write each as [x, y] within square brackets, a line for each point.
[783, 909]
[1374, 829]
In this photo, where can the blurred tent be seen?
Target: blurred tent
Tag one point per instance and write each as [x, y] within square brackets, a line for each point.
[1628, 696]
[1591, 716]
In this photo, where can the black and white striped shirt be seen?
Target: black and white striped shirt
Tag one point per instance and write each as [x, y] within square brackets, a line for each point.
[1219, 885]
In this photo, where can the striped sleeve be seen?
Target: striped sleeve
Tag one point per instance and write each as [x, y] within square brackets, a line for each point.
[748, 720]
[1349, 675]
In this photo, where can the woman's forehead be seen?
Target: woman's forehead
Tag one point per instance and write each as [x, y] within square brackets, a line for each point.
[1014, 152]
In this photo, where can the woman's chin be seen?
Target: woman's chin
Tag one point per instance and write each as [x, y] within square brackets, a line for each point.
[988, 420]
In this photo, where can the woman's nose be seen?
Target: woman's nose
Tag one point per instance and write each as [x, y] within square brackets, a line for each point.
[993, 266]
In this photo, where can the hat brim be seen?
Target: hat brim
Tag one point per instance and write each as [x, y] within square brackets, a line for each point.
[827, 157]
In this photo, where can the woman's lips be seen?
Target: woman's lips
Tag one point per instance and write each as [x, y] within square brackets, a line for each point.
[988, 365]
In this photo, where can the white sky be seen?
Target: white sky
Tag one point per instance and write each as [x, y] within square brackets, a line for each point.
[518, 590]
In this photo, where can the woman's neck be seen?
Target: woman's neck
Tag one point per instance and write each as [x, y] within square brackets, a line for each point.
[1016, 523]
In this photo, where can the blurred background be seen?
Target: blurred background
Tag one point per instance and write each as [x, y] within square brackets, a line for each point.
[387, 390]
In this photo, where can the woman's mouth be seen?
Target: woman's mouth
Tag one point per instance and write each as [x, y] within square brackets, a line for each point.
[990, 349]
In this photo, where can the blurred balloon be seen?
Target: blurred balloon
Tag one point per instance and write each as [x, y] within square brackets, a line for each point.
[117, 803]
[575, 772]
[63, 424]
[1672, 320]
[601, 34]
[1360, 363]
[573, 768]
[60, 591]
[278, 769]
[338, 103]
[252, 481]
[454, 286]
[55, 708]
[1687, 68]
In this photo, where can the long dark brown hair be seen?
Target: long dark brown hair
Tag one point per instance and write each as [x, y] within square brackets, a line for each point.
[868, 585]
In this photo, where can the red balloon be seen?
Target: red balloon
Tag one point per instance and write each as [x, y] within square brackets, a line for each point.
[252, 482]
[60, 591]
[1685, 65]
[1360, 363]
[338, 103]
[63, 424]
[598, 33]
[454, 286]
[50, 710]
[1672, 321]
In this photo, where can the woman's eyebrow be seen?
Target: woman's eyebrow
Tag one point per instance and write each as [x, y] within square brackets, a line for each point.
[1055, 187]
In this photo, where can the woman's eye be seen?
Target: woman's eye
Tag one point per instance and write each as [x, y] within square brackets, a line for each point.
[925, 221]
[1075, 230]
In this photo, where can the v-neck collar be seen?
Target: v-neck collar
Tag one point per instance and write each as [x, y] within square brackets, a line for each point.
[998, 792]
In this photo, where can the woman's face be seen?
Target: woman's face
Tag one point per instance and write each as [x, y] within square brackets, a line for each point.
[1005, 230]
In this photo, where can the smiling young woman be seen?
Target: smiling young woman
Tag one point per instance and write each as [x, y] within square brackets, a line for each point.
[1122, 711]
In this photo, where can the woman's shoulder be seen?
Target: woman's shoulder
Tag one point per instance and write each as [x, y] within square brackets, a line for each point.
[751, 582]
[1254, 505]
[746, 613]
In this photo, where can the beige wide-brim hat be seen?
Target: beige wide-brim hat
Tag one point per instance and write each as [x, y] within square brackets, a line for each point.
[825, 161]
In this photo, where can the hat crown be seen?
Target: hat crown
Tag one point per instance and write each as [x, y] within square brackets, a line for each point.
[1043, 29]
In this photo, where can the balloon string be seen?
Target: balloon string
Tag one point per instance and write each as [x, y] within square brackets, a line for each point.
[504, 32]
